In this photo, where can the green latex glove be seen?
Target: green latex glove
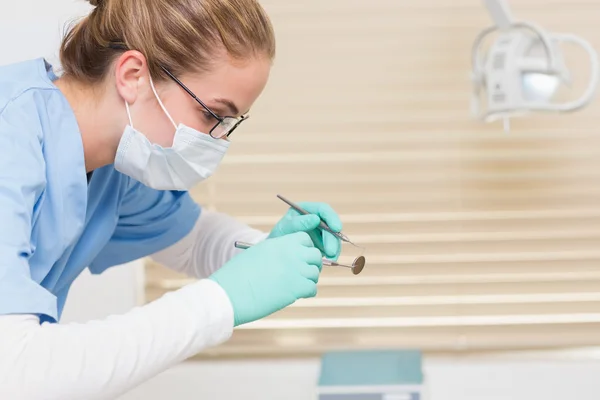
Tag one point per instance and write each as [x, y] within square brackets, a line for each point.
[293, 221]
[270, 276]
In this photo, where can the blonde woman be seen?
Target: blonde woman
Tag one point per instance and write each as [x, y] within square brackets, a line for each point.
[94, 171]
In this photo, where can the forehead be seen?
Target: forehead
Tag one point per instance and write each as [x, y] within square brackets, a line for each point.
[240, 83]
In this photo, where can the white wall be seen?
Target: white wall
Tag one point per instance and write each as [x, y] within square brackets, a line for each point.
[32, 28]
[37, 26]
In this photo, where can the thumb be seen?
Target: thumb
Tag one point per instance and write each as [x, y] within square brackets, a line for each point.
[301, 223]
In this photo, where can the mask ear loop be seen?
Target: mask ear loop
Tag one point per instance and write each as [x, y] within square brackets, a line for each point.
[128, 114]
[161, 104]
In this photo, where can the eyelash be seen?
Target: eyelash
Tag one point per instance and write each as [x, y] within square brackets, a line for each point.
[208, 116]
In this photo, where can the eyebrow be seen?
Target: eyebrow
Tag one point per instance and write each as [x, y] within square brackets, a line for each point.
[229, 104]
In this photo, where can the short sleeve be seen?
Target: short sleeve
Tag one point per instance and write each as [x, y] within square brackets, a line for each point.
[22, 182]
[149, 221]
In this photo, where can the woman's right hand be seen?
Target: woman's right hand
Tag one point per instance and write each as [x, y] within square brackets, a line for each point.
[270, 276]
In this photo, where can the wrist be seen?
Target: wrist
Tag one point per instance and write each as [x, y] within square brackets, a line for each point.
[219, 314]
[227, 291]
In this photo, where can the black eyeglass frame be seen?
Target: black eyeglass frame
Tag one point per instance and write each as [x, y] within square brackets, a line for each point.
[217, 117]
[220, 120]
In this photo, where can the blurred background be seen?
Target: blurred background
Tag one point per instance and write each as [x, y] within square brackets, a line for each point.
[482, 245]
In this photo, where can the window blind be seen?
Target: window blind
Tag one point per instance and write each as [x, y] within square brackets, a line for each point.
[476, 239]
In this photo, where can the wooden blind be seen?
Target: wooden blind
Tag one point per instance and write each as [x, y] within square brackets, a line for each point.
[476, 239]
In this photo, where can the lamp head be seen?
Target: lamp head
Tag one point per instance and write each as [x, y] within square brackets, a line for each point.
[523, 69]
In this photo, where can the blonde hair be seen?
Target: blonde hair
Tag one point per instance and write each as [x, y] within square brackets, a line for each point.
[179, 35]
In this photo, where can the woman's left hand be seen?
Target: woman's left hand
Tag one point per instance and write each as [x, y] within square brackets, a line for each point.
[293, 222]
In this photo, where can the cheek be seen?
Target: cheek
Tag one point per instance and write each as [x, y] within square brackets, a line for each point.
[161, 133]
[184, 111]
[155, 125]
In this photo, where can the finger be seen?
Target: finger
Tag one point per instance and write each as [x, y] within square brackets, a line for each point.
[310, 272]
[317, 239]
[331, 245]
[301, 238]
[325, 213]
[306, 289]
[312, 256]
[299, 223]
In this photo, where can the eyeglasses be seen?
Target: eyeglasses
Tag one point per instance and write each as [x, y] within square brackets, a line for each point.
[224, 126]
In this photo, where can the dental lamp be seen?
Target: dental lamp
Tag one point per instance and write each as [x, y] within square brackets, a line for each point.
[523, 69]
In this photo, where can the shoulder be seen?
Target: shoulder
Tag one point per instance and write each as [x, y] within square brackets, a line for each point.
[27, 90]
[19, 79]
[21, 135]
[27, 97]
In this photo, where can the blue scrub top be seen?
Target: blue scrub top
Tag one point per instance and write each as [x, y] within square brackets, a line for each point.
[52, 223]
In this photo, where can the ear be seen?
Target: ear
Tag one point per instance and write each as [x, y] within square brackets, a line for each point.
[131, 69]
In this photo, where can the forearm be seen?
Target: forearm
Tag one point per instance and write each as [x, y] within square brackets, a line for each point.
[103, 359]
[208, 246]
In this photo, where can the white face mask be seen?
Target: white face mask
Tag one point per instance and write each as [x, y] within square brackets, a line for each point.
[193, 157]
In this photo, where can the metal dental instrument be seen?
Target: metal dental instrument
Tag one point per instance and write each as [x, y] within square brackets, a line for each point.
[322, 225]
[357, 265]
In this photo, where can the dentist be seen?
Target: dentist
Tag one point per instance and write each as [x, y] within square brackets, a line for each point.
[95, 165]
